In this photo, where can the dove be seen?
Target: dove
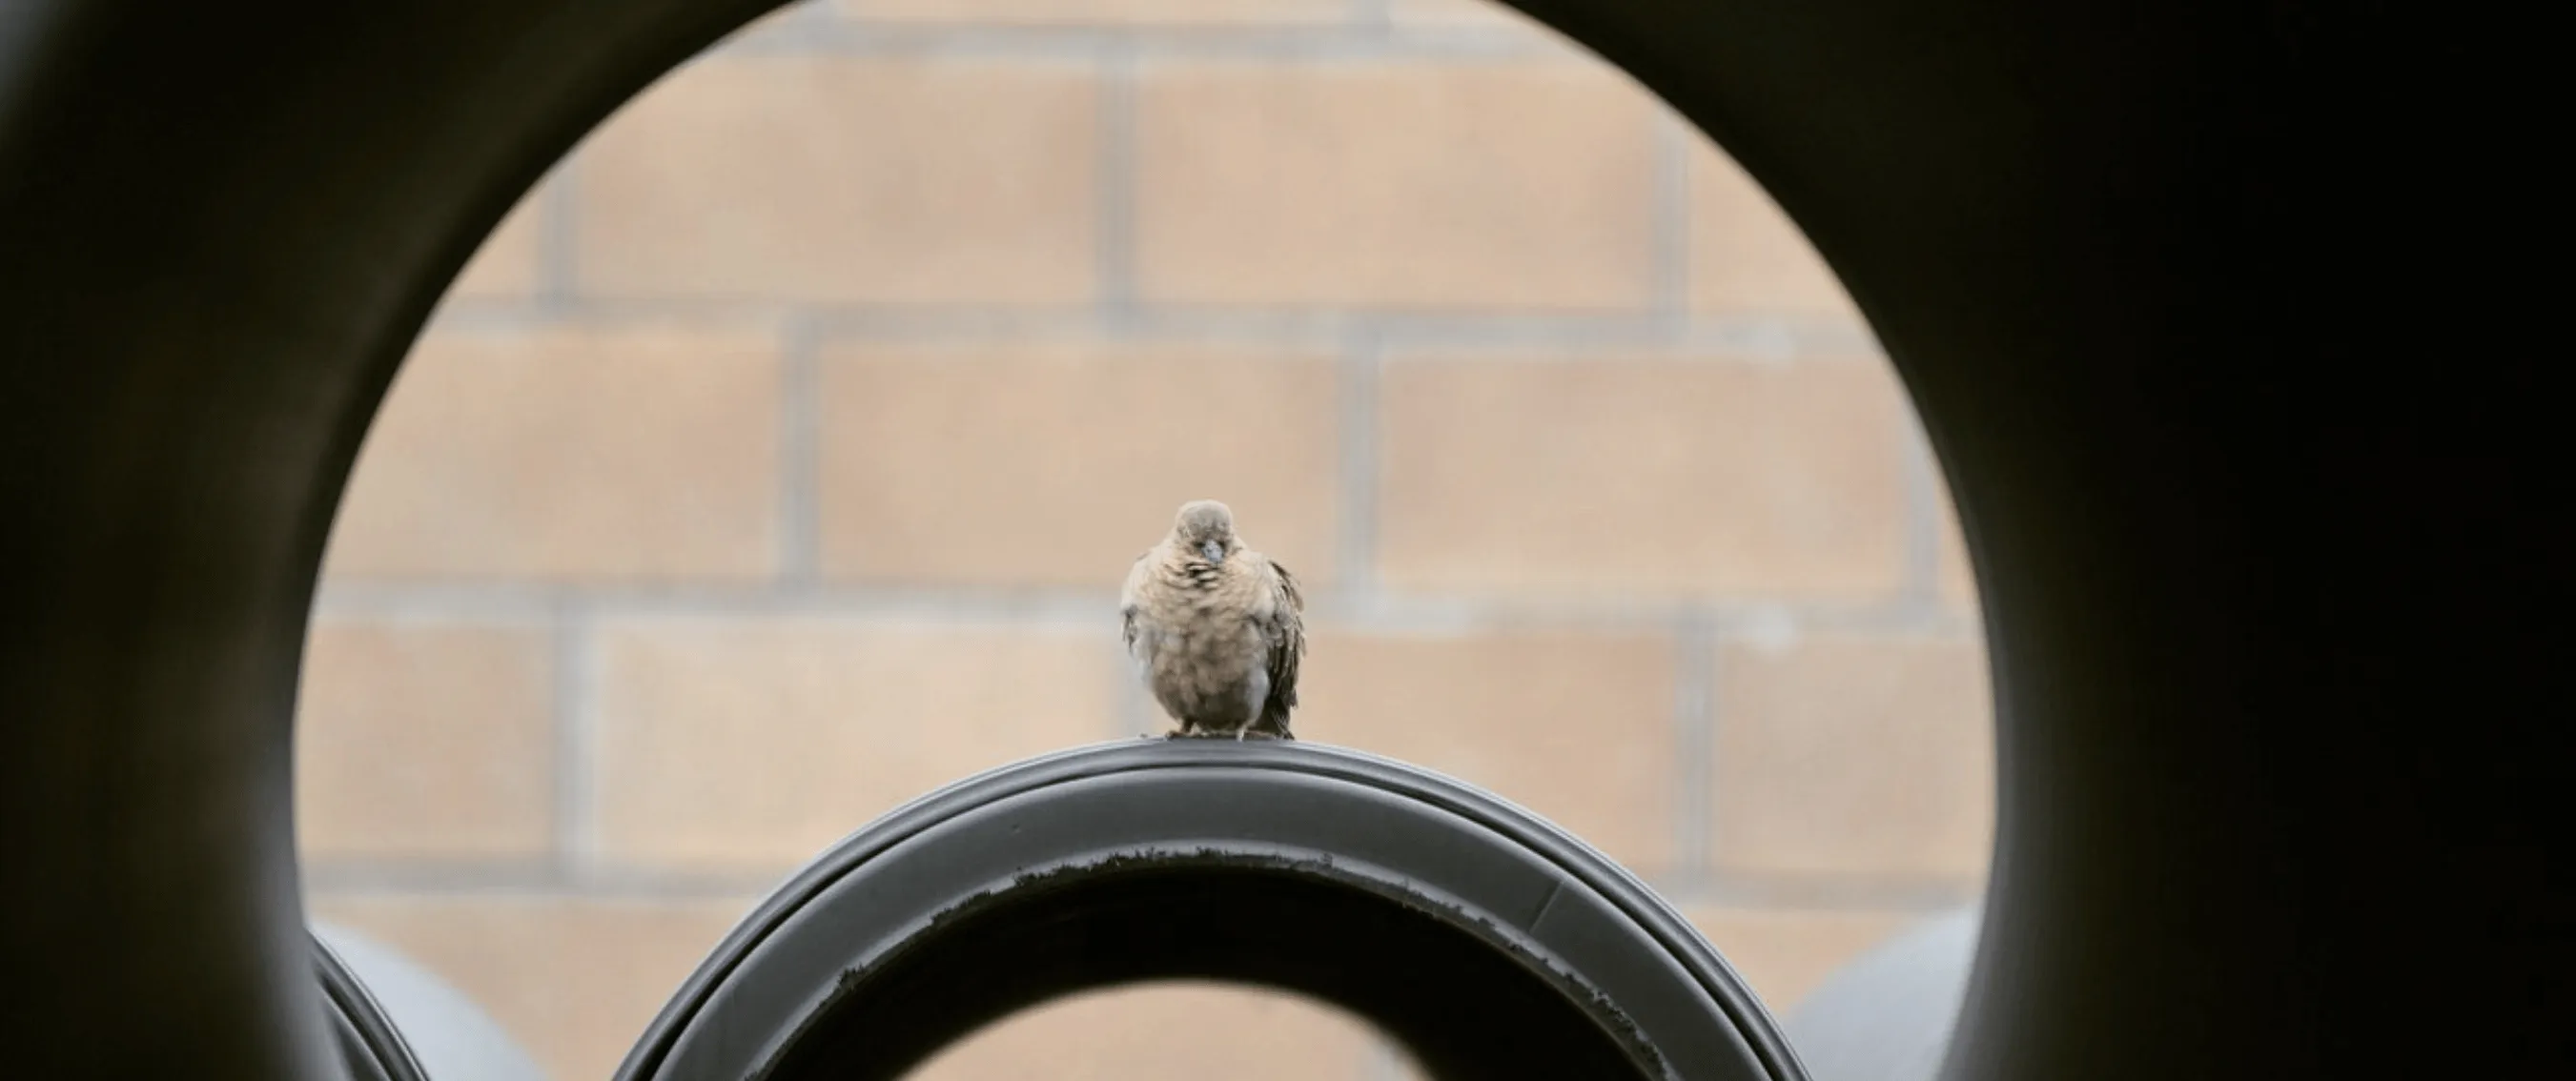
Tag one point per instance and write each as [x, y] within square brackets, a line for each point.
[1217, 629]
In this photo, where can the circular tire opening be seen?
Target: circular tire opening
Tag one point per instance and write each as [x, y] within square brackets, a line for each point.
[1464, 1007]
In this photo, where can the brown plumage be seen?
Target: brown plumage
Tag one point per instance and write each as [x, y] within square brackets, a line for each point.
[1217, 628]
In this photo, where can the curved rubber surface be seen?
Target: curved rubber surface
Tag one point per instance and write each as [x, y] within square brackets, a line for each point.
[2214, 313]
[1490, 942]
[370, 1046]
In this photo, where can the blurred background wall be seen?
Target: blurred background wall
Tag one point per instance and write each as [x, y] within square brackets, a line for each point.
[779, 458]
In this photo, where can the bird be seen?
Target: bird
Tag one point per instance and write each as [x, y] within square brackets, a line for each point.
[1217, 630]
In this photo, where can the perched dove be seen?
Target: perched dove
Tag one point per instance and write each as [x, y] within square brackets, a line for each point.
[1217, 628]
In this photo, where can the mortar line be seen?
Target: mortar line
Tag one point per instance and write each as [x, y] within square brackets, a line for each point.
[1372, 17]
[558, 225]
[1355, 549]
[1694, 739]
[1114, 171]
[576, 825]
[1813, 894]
[807, 21]
[1714, 339]
[343, 878]
[800, 453]
[433, 600]
[1671, 242]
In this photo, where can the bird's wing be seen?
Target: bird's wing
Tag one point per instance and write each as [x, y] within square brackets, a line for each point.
[1128, 600]
[1286, 632]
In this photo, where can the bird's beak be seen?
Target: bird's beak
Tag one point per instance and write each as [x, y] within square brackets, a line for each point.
[1213, 550]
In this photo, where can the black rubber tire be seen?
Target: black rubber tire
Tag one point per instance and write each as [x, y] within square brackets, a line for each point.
[1491, 943]
[2216, 313]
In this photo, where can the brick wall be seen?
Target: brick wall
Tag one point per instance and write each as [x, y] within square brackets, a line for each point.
[860, 356]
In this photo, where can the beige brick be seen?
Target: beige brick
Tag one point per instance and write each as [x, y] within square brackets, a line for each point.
[1102, 12]
[1745, 253]
[506, 266]
[1786, 953]
[1576, 727]
[1159, 1031]
[753, 744]
[1855, 756]
[846, 179]
[1524, 184]
[424, 740]
[573, 980]
[594, 455]
[1642, 476]
[1058, 464]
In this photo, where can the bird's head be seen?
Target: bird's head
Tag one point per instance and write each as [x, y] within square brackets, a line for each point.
[1206, 526]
